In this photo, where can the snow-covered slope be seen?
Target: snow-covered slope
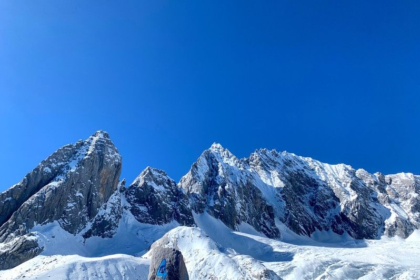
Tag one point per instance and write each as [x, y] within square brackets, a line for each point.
[335, 257]
[206, 259]
[216, 252]
[75, 267]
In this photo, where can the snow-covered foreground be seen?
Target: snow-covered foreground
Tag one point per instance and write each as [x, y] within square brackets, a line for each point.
[299, 257]
[75, 267]
[213, 251]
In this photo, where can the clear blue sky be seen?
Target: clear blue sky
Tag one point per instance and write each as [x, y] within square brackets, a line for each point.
[338, 81]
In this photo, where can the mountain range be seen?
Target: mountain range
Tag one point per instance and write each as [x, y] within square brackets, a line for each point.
[252, 218]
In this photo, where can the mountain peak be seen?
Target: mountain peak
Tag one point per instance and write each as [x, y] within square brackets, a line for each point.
[216, 147]
[150, 175]
[100, 134]
[153, 173]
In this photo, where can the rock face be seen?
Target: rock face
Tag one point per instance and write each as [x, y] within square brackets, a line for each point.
[18, 251]
[304, 194]
[168, 264]
[401, 194]
[314, 196]
[69, 187]
[220, 184]
[311, 195]
[154, 198]
[105, 224]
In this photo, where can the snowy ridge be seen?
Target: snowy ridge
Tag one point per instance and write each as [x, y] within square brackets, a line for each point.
[336, 191]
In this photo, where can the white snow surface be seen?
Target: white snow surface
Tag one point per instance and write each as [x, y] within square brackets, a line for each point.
[75, 267]
[131, 238]
[68, 256]
[213, 251]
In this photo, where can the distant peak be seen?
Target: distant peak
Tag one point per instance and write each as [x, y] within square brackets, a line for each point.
[153, 171]
[272, 152]
[221, 154]
[216, 147]
[150, 174]
[101, 134]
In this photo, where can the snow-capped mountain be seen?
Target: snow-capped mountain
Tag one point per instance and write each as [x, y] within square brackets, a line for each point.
[304, 194]
[251, 218]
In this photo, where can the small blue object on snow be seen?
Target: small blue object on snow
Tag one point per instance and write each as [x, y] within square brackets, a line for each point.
[161, 271]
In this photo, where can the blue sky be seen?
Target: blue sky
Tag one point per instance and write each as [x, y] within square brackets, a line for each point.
[337, 81]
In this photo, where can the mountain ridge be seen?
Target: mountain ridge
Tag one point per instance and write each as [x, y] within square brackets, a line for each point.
[78, 189]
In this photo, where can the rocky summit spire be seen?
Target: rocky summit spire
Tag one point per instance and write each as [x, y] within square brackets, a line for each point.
[155, 198]
[218, 183]
[69, 187]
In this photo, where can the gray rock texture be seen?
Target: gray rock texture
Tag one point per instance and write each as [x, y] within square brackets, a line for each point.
[44, 173]
[155, 198]
[69, 187]
[303, 194]
[18, 251]
[75, 194]
[175, 266]
[220, 184]
[311, 196]
[105, 224]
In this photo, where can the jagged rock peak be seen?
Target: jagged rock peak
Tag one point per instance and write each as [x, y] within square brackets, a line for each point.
[101, 134]
[216, 147]
[220, 184]
[150, 174]
[71, 185]
[222, 154]
[154, 198]
[278, 156]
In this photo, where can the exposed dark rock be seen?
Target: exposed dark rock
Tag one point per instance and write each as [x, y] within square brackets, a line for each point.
[70, 187]
[105, 223]
[44, 173]
[155, 198]
[304, 194]
[18, 251]
[220, 184]
[168, 264]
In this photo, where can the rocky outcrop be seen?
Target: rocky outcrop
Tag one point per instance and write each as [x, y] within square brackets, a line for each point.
[42, 175]
[19, 250]
[168, 264]
[304, 194]
[221, 185]
[75, 194]
[154, 198]
[401, 196]
[69, 187]
[106, 222]
[311, 196]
